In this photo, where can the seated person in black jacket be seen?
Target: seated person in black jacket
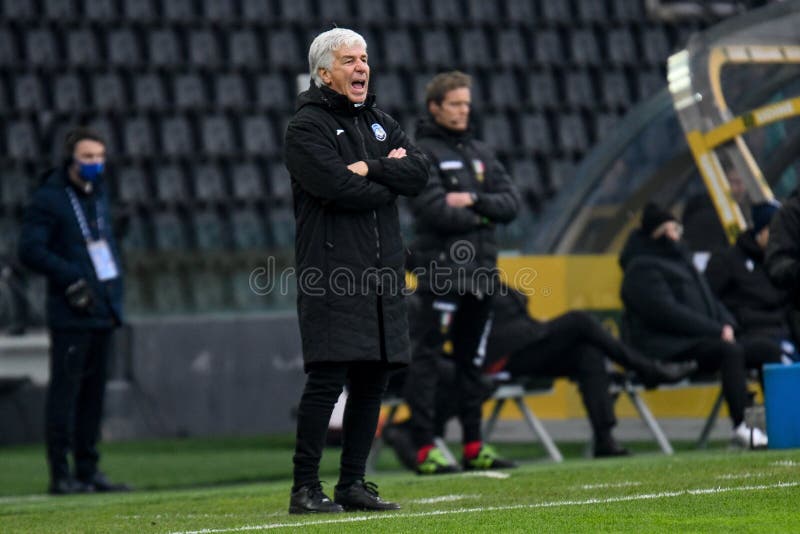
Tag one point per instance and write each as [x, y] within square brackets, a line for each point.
[739, 278]
[574, 345]
[671, 314]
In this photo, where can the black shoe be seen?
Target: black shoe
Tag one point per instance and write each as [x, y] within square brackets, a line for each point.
[68, 486]
[362, 495]
[101, 484]
[398, 437]
[609, 448]
[311, 500]
[667, 372]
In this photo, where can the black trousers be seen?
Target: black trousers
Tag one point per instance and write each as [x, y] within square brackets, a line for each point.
[366, 382]
[74, 404]
[463, 320]
[732, 361]
[575, 346]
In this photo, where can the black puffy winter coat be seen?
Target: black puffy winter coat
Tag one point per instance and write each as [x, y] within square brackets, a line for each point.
[348, 248]
[458, 241]
[783, 250]
[669, 306]
[738, 277]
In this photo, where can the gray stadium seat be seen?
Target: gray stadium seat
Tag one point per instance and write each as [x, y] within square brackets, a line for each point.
[604, 123]
[22, 10]
[592, 11]
[580, 90]
[15, 188]
[103, 126]
[60, 10]
[139, 10]
[108, 92]
[543, 92]
[181, 11]
[398, 48]
[164, 48]
[170, 184]
[41, 48]
[231, 93]
[244, 49]
[22, 142]
[189, 92]
[138, 137]
[585, 48]
[284, 50]
[410, 12]
[257, 11]
[28, 93]
[474, 49]
[512, 51]
[100, 10]
[248, 182]
[123, 48]
[82, 48]
[498, 133]
[372, 11]
[528, 177]
[204, 49]
[68, 94]
[572, 133]
[560, 172]
[169, 232]
[137, 236]
[210, 231]
[548, 48]
[272, 92]
[520, 12]
[176, 137]
[482, 12]
[628, 10]
[556, 12]
[247, 228]
[149, 93]
[209, 183]
[536, 134]
[655, 46]
[390, 90]
[132, 186]
[616, 93]
[297, 11]
[258, 136]
[217, 136]
[280, 182]
[335, 12]
[219, 11]
[648, 83]
[446, 11]
[621, 47]
[9, 54]
[504, 91]
[281, 223]
[437, 51]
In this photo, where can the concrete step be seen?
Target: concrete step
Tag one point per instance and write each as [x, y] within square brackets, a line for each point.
[26, 356]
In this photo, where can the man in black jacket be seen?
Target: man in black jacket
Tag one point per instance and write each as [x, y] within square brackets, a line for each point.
[672, 314]
[348, 163]
[739, 278]
[455, 258]
[783, 255]
[66, 235]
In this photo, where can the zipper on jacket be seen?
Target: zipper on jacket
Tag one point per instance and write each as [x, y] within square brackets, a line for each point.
[374, 212]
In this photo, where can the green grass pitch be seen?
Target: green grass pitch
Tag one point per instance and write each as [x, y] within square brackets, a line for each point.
[242, 485]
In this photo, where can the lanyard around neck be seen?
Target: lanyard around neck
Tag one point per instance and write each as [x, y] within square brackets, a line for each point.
[76, 207]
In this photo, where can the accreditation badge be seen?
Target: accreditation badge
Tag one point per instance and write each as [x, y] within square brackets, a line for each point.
[104, 265]
[479, 168]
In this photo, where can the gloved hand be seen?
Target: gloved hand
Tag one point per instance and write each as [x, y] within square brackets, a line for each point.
[80, 295]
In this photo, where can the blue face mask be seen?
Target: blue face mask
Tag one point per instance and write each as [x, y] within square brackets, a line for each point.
[91, 171]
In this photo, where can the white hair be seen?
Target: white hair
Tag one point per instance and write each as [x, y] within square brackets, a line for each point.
[320, 53]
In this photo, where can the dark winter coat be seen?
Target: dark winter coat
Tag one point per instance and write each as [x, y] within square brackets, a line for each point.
[740, 280]
[348, 248]
[512, 327]
[783, 250]
[51, 243]
[669, 306]
[459, 241]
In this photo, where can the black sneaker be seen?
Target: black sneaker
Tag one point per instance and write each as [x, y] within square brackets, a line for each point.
[101, 484]
[68, 486]
[609, 448]
[311, 500]
[362, 495]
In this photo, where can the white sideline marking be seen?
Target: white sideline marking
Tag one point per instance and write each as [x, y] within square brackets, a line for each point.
[487, 474]
[609, 485]
[443, 498]
[732, 476]
[24, 498]
[552, 504]
[786, 463]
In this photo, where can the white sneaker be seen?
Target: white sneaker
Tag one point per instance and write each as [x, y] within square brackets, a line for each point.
[749, 437]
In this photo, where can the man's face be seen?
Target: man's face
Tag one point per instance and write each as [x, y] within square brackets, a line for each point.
[349, 73]
[453, 112]
[88, 151]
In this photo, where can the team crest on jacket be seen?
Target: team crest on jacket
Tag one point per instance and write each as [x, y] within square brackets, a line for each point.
[380, 133]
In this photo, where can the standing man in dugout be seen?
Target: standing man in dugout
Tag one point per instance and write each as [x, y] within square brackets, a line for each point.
[348, 162]
[67, 237]
[455, 258]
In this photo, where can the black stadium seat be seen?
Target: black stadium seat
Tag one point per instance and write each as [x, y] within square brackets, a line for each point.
[169, 231]
[504, 91]
[474, 49]
[190, 92]
[124, 49]
[248, 232]
[548, 48]
[446, 11]
[21, 10]
[390, 91]
[437, 50]
[258, 136]
[280, 182]
[176, 136]
[284, 50]
[219, 11]
[28, 93]
[68, 94]
[100, 10]
[138, 137]
[616, 92]
[108, 92]
[512, 51]
[170, 184]
[217, 136]
[536, 135]
[41, 48]
[204, 49]
[209, 183]
[520, 12]
[139, 10]
[164, 48]
[621, 47]
[556, 12]
[482, 12]
[22, 142]
[398, 47]
[655, 45]
[256, 11]
[132, 185]
[60, 10]
[149, 93]
[335, 12]
[543, 92]
[180, 11]
[498, 133]
[296, 11]
[410, 12]
[372, 11]
[248, 182]
[580, 90]
[231, 93]
[9, 53]
[244, 49]
[585, 48]
[592, 11]
[210, 232]
[272, 92]
[572, 133]
[82, 48]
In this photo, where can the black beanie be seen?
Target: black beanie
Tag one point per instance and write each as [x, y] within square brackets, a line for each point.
[653, 217]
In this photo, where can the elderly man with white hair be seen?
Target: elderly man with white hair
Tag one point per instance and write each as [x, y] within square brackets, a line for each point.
[348, 162]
